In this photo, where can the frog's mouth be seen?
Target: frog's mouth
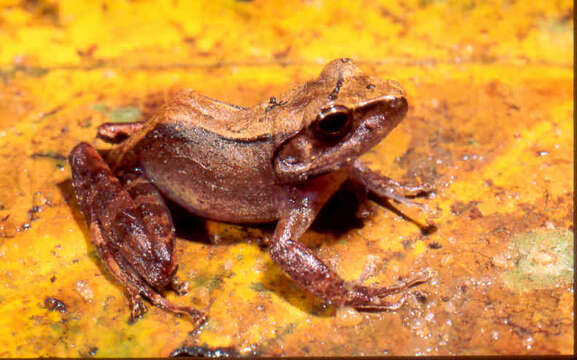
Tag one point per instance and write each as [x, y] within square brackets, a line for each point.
[307, 154]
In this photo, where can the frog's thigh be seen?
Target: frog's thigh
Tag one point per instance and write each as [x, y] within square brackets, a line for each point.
[155, 217]
[132, 230]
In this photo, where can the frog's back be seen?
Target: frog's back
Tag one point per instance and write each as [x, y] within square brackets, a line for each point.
[278, 118]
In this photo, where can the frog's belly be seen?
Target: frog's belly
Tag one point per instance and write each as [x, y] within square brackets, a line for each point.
[250, 202]
[216, 178]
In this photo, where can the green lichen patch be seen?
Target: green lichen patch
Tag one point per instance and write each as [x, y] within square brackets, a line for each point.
[125, 114]
[121, 114]
[543, 260]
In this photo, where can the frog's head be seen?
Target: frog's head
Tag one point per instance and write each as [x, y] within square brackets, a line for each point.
[345, 114]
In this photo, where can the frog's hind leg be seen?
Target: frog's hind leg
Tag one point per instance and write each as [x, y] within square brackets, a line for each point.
[131, 229]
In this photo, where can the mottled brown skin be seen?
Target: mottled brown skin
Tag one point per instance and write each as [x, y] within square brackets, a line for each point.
[278, 161]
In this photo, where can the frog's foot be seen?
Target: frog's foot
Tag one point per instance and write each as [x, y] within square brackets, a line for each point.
[179, 287]
[313, 275]
[137, 306]
[373, 298]
[131, 229]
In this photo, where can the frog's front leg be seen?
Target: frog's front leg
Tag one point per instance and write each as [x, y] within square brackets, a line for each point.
[311, 273]
[381, 187]
[130, 227]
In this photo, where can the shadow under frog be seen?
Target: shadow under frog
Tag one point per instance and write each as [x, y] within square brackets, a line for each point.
[280, 161]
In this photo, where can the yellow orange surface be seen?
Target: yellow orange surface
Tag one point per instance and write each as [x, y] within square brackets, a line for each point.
[490, 125]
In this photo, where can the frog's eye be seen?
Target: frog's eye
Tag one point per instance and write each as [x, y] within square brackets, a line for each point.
[333, 122]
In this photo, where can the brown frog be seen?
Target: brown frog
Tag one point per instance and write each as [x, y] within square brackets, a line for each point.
[278, 161]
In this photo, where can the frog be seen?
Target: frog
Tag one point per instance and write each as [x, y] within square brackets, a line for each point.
[278, 161]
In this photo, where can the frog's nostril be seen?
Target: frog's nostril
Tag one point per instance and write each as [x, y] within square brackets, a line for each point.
[403, 103]
[398, 103]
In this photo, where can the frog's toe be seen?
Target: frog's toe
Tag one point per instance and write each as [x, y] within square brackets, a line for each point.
[137, 306]
[179, 287]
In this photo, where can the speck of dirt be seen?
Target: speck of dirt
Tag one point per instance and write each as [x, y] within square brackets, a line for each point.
[475, 213]
[544, 260]
[460, 207]
[435, 245]
[53, 304]
[204, 351]
[92, 351]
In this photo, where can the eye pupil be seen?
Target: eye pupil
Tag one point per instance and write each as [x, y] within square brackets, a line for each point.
[333, 123]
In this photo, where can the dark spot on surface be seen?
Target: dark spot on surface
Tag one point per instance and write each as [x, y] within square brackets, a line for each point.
[460, 207]
[86, 122]
[258, 287]
[435, 245]
[53, 279]
[53, 304]
[44, 9]
[87, 52]
[35, 209]
[429, 229]
[422, 298]
[25, 226]
[49, 155]
[282, 53]
[475, 213]
[51, 112]
[92, 351]
[204, 351]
